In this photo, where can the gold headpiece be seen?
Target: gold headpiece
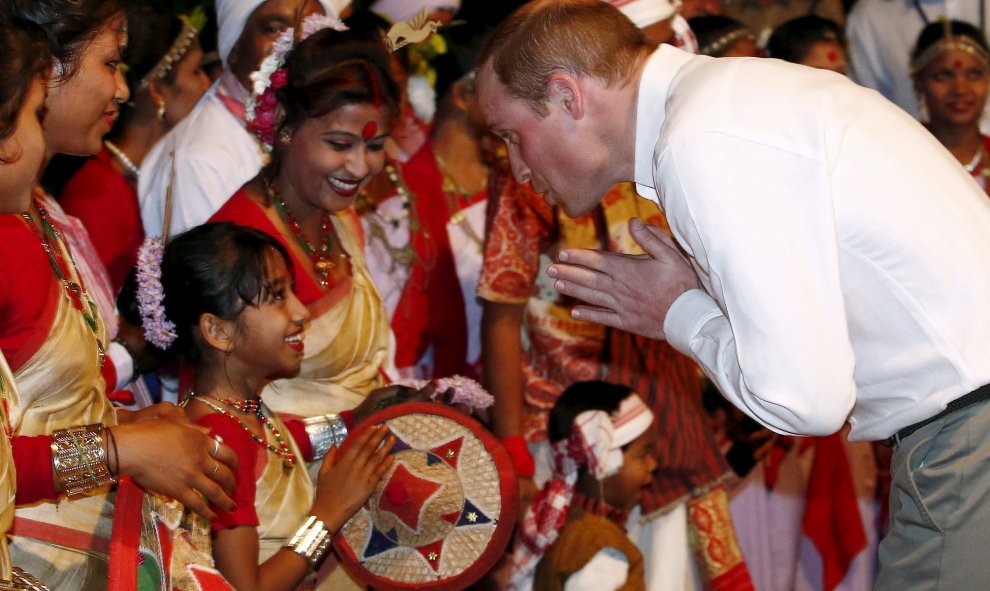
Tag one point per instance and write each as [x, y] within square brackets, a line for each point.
[724, 42]
[415, 30]
[949, 42]
[175, 53]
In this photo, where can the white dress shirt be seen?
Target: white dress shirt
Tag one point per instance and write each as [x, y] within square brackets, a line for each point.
[842, 250]
[214, 156]
[882, 35]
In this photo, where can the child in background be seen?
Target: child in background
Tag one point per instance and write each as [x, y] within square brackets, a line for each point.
[228, 293]
[810, 41]
[603, 453]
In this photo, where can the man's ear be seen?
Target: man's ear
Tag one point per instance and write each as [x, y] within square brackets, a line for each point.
[566, 93]
[216, 333]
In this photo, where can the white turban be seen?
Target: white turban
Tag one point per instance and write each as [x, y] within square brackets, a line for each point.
[232, 15]
[402, 10]
[646, 12]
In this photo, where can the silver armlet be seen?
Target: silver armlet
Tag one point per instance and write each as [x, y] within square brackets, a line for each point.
[325, 431]
[79, 459]
[312, 541]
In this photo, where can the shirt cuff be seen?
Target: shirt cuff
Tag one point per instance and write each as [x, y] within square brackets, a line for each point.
[123, 363]
[689, 312]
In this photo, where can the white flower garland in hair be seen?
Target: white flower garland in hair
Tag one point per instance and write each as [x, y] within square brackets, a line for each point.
[422, 97]
[259, 111]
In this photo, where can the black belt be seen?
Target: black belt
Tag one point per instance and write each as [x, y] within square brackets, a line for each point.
[978, 395]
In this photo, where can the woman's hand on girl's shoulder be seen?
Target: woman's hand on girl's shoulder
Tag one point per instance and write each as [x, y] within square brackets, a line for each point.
[346, 480]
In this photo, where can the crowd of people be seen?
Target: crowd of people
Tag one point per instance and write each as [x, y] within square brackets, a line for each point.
[708, 276]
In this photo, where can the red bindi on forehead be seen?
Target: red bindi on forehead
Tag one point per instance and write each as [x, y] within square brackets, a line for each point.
[958, 64]
[369, 130]
[833, 56]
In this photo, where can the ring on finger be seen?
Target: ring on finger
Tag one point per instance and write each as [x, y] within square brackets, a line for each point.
[217, 442]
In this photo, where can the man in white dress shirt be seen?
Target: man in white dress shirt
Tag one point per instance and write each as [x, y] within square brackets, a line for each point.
[210, 154]
[831, 259]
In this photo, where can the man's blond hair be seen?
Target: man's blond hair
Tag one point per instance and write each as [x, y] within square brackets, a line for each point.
[582, 37]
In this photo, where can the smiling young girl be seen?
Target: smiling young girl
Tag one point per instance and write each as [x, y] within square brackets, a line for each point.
[572, 536]
[228, 292]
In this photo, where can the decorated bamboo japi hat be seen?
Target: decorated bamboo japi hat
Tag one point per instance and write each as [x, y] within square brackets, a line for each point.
[443, 514]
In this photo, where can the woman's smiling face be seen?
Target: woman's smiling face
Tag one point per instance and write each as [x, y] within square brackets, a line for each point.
[82, 109]
[330, 158]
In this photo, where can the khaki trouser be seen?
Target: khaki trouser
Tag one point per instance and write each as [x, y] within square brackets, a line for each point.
[940, 507]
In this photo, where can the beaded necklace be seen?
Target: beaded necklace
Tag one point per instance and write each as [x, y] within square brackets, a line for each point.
[457, 196]
[256, 408]
[122, 158]
[73, 290]
[404, 255]
[322, 256]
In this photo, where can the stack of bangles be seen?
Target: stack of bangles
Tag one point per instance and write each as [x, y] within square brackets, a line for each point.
[81, 459]
[519, 454]
[22, 581]
[325, 431]
[311, 541]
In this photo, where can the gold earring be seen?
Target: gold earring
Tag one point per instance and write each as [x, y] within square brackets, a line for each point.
[284, 137]
[161, 111]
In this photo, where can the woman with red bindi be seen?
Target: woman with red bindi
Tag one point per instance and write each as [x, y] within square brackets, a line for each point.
[950, 67]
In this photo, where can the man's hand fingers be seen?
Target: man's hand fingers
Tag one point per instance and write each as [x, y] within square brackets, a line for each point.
[589, 295]
[585, 257]
[597, 315]
[652, 239]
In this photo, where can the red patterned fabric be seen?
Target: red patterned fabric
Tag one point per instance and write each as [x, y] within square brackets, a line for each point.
[525, 235]
[107, 205]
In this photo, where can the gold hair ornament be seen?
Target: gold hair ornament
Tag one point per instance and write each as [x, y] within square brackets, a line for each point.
[191, 26]
[726, 41]
[950, 42]
[414, 30]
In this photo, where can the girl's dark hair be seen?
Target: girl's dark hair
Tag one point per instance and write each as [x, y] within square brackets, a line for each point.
[69, 24]
[579, 397]
[331, 69]
[23, 57]
[217, 268]
[935, 32]
[792, 40]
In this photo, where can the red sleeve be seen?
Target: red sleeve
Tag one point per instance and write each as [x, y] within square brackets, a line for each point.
[520, 226]
[247, 472]
[29, 291]
[33, 461]
[297, 429]
[108, 207]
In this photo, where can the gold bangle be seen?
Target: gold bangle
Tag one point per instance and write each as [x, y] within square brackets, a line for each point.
[22, 581]
[311, 541]
[79, 459]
